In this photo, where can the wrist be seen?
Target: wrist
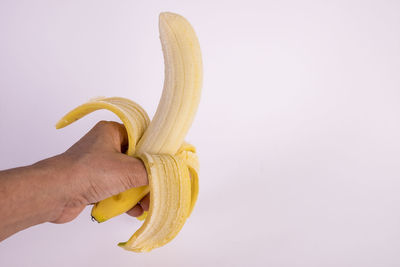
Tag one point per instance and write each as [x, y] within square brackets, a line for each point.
[28, 196]
[49, 178]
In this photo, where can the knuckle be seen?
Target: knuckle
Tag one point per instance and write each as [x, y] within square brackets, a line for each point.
[102, 123]
[108, 125]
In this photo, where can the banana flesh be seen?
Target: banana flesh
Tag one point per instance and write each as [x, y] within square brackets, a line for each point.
[172, 164]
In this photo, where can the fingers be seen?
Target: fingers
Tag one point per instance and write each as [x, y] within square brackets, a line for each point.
[138, 209]
[145, 202]
[122, 140]
[115, 133]
[104, 136]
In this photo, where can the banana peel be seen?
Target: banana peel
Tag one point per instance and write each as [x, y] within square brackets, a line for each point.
[172, 164]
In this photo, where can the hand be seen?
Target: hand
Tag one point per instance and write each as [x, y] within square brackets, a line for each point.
[58, 189]
[97, 169]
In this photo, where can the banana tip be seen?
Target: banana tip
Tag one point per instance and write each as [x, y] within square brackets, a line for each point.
[167, 16]
[121, 244]
[61, 124]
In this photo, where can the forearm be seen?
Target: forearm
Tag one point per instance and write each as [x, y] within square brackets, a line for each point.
[28, 196]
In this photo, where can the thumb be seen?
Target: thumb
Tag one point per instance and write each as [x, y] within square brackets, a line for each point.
[132, 171]
[112, 174]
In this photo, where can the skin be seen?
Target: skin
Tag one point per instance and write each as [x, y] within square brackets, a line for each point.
[57, 189]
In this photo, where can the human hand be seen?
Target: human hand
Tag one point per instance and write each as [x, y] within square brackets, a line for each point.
[57, 189]
[95, 169]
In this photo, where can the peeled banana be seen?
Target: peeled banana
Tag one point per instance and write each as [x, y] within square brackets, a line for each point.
[172, 164]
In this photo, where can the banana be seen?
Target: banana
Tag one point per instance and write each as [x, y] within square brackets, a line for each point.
[172, 165]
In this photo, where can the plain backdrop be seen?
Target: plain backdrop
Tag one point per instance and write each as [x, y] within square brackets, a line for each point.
[297, 131]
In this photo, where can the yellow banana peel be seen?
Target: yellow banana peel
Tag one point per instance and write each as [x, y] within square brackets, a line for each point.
[172, 164]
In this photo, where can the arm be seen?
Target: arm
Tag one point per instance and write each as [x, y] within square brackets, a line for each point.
[58, 189]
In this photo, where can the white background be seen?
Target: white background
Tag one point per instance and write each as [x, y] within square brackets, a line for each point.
[298, 128]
